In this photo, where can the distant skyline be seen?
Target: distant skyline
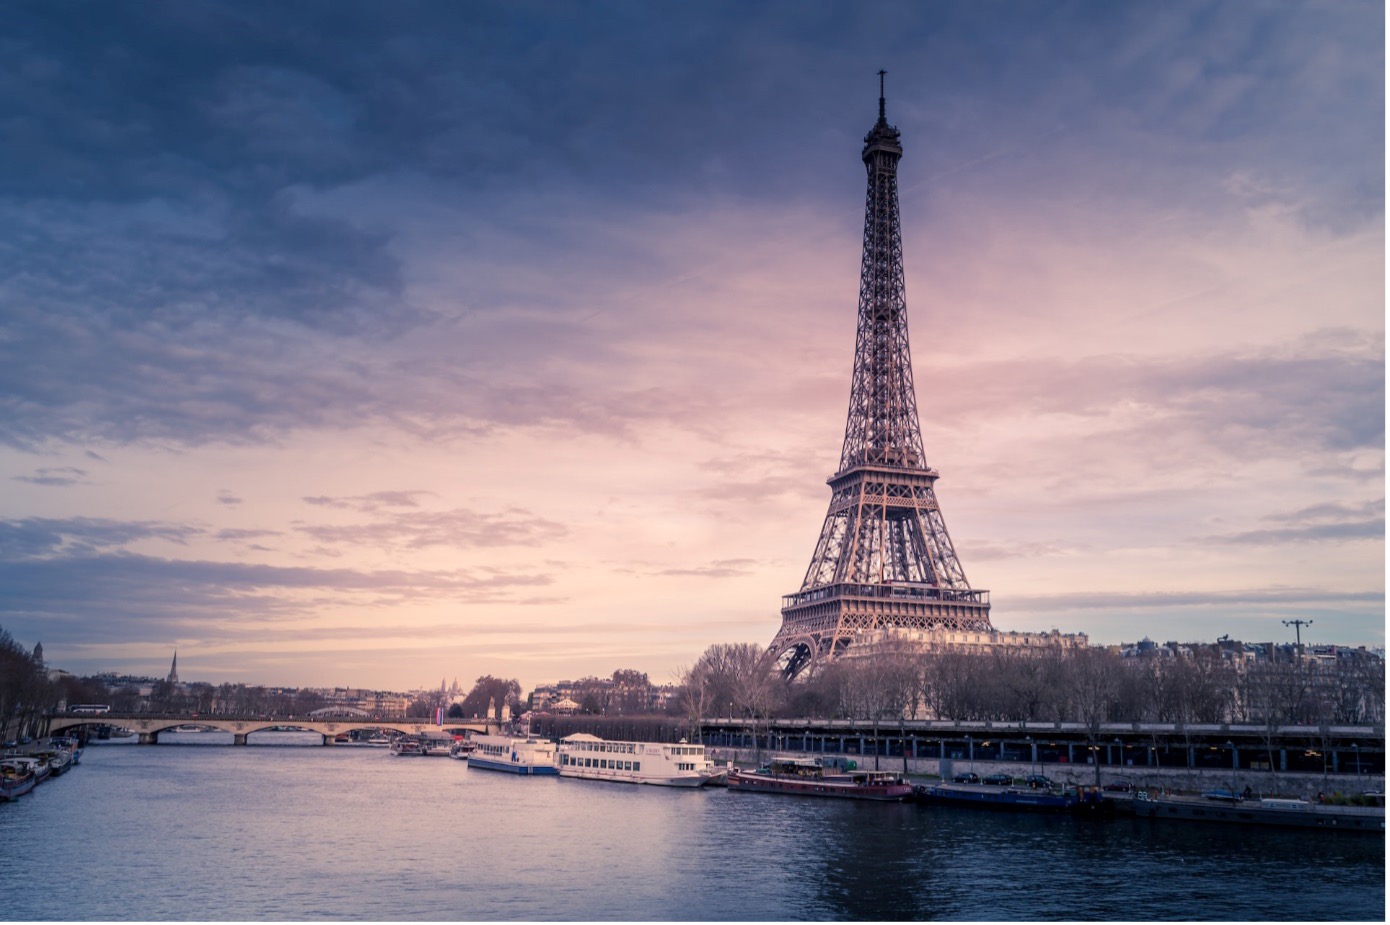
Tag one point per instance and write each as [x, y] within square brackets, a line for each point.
[363, 345]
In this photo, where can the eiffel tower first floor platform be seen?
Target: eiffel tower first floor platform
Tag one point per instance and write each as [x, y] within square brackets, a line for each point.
[820, 623]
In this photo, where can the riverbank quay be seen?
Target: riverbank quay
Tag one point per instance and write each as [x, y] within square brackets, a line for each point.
[1296, 759]
[1174, 780]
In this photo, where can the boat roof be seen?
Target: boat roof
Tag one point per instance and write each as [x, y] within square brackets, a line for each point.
[581, 737]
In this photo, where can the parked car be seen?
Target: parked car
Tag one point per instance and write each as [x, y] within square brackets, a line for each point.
[999, 780]
[1038, 782]
[1120, 786]
[969, 777]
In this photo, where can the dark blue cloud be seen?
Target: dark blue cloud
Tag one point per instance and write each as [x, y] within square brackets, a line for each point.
[34, 538]
[163, 275]
[85, 599]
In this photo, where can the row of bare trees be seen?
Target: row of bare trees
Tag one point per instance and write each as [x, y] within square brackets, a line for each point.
[1090, 686]
[25, 690]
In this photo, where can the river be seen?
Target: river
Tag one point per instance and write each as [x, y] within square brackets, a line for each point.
[283, 829]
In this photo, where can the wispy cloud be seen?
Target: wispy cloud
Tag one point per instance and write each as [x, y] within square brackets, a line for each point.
[461, 527]
[724, 568]
[54, 476]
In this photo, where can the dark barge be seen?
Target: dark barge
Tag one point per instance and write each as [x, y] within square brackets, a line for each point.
[1023, 799]
[1274, 812]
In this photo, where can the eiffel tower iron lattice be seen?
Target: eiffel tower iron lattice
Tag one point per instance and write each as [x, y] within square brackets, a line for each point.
[884, 558]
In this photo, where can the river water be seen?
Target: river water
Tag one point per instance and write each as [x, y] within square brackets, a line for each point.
[285, 829]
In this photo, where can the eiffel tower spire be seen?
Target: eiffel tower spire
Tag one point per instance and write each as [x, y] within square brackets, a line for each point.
[884, 558]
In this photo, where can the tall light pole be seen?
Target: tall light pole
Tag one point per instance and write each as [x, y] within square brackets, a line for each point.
[1297, 634]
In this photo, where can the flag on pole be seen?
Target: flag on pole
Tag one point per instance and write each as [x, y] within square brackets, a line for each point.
[439, 716]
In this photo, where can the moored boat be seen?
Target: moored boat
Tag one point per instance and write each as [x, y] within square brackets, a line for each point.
[69, 744]
[679, 765]
[808, 777]
[437, 746]
[516, 754]
[1268, 811]
[16, 780]
[402, 746]
[461, 749]
[36, 766]
[1015, 798]
[58, 759]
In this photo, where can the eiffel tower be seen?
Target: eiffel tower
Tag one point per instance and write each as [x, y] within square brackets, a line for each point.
[884, 558]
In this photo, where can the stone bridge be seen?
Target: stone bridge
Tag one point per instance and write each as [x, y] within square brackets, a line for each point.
[150, 726]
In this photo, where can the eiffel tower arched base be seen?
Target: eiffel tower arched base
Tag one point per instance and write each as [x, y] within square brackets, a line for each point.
[801, 655]
[820, 624]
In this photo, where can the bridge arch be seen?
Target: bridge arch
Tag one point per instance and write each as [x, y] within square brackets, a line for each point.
[149, 727]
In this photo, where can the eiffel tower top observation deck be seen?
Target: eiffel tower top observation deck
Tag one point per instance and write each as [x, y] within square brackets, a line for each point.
[884, 558]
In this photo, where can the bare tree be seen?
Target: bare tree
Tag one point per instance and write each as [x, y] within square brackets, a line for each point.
[24, 687]
[695, 697]
[1094, 687]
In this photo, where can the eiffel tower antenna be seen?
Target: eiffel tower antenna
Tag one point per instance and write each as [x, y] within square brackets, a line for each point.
[884, 559]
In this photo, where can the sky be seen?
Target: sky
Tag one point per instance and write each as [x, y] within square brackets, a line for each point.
[370, 344]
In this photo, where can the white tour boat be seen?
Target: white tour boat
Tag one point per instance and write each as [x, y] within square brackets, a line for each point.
[592, 758]
[407, 745]
[517, 754]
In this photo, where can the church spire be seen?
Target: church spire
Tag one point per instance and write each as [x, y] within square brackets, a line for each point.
[174, 669]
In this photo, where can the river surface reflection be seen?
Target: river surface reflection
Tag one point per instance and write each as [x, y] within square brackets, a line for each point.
[194, 829]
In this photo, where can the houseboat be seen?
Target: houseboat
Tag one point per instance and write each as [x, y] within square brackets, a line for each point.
[1013, 798]
[592, 758]
[16, 779]
[1268, 811]
[517, 754]
[37, 767]
[436, 746]
[405, 746]
[809, 777]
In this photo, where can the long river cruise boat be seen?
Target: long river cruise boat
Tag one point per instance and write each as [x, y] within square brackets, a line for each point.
[808, 777]
[517, 754]
[679, 765]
